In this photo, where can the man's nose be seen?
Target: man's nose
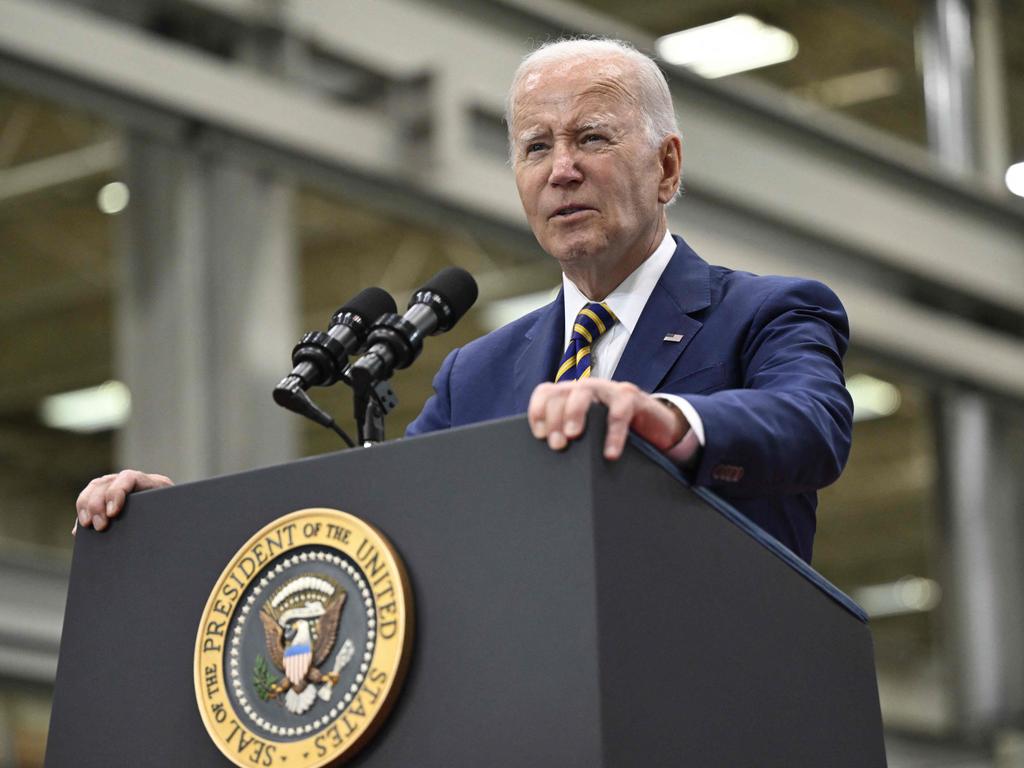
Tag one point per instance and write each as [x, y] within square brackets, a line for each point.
[564, 168]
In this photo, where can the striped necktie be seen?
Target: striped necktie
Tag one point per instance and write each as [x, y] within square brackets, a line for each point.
[591, 323]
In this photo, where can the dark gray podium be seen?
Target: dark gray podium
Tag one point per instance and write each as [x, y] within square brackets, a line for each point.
[569, 612]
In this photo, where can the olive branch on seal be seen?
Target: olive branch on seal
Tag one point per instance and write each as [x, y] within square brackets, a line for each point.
[263, 679]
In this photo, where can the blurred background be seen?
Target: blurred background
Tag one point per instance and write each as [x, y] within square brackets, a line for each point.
[187, 185]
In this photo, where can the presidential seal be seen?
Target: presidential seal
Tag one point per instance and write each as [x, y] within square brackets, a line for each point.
[304, 642]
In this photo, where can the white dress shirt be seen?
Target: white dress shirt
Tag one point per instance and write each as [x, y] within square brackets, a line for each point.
[627, 302]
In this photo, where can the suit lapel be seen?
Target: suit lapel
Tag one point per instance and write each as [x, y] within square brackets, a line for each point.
[539, 359]
[684, 288]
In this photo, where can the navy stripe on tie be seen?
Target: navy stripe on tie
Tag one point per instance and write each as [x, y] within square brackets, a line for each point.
[592, 322]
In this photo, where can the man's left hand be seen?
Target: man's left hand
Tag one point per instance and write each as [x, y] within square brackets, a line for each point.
[558, 414]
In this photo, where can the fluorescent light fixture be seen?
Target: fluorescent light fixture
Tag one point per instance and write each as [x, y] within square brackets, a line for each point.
[911, 594]
[1015, 179]
[504, 311]
[113, 197]
[725, 47]
[94, 409]
[872, 398]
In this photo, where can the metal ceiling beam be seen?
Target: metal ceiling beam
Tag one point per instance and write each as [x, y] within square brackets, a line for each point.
[870, 199]
[822, 172]
[39, 176]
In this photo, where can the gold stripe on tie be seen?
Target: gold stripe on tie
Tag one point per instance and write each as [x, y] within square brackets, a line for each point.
[597, 320]
[583, 332]
[586, 373]
[581, 353]
[566, 366]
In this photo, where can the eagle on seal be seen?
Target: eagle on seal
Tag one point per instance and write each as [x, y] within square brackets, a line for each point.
[298, 648]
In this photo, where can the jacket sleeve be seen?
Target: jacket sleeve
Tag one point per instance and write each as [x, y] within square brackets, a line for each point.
[788, 429]
[437, 412]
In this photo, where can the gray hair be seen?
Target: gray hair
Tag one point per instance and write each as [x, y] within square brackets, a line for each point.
[653, 96]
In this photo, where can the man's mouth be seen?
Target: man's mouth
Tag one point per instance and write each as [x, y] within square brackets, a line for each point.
[570, 210]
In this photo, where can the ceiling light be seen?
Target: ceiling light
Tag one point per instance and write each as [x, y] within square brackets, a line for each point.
[88, 410]
[872, 398]
[504, 311]
[113, 197]
[725, 47]
[911, 594]
[1015, 179]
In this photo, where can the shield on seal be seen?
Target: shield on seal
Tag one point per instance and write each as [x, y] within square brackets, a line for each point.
[298, 655]
[296, 663]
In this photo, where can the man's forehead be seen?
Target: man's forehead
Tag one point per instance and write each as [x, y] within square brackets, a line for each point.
[587, 93]
[577, 74]
[592, 66]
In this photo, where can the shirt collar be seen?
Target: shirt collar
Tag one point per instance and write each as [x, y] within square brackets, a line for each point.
[628, 300]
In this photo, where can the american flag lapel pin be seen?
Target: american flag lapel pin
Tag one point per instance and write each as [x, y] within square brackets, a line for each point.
[673, 337]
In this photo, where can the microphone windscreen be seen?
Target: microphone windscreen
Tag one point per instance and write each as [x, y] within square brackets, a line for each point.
[369, 304]
[457, 287]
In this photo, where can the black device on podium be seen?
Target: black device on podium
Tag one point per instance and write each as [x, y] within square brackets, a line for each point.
[568, 612]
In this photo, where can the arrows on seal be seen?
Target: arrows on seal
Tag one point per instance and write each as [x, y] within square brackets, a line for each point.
[344, 657]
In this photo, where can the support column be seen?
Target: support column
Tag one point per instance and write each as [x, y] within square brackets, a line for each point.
[983, 466]
[947, 52]
[207, 312]
[994, 150]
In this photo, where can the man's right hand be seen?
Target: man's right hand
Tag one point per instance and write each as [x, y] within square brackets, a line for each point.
[103, 498]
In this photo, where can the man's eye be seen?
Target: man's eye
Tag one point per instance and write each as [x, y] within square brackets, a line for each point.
[592, 137]
[536, 146]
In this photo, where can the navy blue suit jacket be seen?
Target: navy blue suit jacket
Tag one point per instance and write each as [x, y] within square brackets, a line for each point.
[760, 360]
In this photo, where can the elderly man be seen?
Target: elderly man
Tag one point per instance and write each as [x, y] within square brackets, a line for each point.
[745, 371]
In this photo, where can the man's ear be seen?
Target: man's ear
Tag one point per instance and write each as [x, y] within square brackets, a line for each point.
[670, 158]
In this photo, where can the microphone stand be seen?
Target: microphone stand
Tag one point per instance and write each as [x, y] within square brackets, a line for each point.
[370, 404]
[370, 407]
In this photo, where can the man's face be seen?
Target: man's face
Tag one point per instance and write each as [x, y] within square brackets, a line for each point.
[589, 179]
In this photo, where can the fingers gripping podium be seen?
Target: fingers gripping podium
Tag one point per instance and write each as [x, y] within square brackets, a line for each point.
[568, 611]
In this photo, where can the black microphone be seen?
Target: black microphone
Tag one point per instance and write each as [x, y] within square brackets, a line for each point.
[395, 342]
[320, 358]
